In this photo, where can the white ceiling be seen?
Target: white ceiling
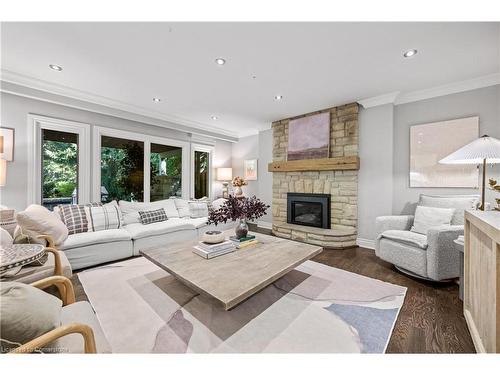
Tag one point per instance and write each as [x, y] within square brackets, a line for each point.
[313, 65]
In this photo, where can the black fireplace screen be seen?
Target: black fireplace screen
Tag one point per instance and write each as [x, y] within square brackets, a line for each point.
[309, 209]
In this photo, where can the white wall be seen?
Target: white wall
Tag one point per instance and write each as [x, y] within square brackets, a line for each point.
[375, 184]
[246, 148]
[481, 102]
[14, 111]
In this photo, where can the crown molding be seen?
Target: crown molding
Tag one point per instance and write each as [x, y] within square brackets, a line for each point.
[451, 88]
[398, 98]
[379, 100]
[59, 94]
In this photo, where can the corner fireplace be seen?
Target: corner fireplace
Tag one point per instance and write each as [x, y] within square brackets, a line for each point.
[309, 209]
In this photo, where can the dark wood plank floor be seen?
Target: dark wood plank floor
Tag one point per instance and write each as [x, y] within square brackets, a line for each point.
[431, 319]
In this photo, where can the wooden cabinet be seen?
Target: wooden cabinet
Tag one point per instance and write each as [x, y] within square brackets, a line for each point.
[482, 279]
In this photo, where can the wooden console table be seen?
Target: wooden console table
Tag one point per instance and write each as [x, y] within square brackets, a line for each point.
[482, 279]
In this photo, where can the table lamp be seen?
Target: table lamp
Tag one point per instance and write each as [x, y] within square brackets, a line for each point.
[225, 175]
[485, 150]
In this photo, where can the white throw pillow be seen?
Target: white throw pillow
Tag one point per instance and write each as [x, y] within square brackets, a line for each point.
[216, 204]
[5, 238]
[198, 209]
[130, 210]
[37, 220]
[182, 207]
[428, 217]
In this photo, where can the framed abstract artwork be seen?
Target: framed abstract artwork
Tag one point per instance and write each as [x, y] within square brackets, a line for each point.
[250, 169]
[309, 137]
[7, 144]
[431, 142]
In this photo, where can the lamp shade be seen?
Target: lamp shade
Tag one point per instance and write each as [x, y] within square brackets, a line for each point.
[475, 152]
[224, 174]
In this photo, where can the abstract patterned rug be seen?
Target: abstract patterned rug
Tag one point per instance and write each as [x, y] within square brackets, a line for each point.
[313, 309]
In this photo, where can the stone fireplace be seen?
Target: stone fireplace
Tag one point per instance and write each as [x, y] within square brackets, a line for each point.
[335, 177]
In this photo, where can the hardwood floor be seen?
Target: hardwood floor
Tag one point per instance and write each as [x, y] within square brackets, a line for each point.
[431, 319]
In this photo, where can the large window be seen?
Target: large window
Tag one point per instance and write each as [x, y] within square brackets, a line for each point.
[166, 172]
[59, 167]
[122, 169]
[201, 174]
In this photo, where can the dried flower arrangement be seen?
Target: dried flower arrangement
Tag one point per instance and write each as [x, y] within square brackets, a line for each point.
[496, 187]
[239, 181]
[238, 208]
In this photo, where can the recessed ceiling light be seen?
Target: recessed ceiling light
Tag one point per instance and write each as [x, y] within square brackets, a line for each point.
[410, 53]
[220, 61]
[278, 97]
[156, 100]
[214, 117]
[57, 68]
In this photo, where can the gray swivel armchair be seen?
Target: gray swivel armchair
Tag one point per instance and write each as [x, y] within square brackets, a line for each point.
[430, 256]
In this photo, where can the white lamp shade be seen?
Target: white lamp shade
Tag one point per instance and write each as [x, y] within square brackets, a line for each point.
[475, 152]
[3, 172]
[224, 174]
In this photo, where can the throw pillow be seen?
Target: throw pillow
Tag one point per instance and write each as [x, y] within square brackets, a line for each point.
[198, 209]
[155, 216]
[37, 220]
[459, 202]
[27, 313]
[5, 238]
[182, 207]
[103, 217]
[428, 217]
[74, 217]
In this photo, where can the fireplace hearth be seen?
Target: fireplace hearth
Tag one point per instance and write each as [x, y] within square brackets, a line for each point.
[309, 209]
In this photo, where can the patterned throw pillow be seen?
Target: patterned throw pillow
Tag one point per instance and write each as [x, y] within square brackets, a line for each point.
[103, 217]
[155, 216]
[75, 217]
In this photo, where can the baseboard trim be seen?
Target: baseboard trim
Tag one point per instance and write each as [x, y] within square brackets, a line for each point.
[264, 224]
[363, 242]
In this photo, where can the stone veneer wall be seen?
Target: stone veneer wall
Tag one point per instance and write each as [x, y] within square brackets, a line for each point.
[342, 185]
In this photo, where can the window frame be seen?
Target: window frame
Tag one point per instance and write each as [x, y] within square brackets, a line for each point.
[36, 124]
[100, 131]
[210, 150]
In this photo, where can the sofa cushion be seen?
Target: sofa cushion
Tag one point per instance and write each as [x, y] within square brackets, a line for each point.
[138, 230]
[428, 217]
[199, 222]
[92, 238]
[406, 237]
[458, 202]
[130, 210]
[37, 220]
[198, 209]
[182, 207]
[27, 312]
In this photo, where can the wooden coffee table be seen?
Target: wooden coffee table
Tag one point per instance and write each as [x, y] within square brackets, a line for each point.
[234, 277]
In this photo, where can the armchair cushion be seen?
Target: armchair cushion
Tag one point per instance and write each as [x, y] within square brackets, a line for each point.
[27, 313]
[406, 237]
[428, 217]
[81, 312]
[458, 202]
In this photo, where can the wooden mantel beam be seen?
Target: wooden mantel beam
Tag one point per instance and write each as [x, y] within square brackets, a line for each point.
[345, 163]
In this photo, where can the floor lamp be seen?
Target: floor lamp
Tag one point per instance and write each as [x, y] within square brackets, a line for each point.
[484, 150]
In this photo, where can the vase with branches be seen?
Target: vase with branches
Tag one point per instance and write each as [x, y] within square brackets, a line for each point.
[241, 209]
[496, 187]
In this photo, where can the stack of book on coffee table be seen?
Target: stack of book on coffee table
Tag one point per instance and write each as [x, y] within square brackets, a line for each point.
[243, 242]
[208, 251]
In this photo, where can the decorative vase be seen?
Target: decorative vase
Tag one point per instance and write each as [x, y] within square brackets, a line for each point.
[238, 191]
[241, 229]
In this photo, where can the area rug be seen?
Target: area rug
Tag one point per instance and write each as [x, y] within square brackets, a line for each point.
[313, 309]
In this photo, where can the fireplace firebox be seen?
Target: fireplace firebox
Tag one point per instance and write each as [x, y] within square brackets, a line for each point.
[309, 209]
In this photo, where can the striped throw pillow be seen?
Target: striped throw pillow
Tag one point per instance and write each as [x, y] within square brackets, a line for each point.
[155, 216]
[103, 217]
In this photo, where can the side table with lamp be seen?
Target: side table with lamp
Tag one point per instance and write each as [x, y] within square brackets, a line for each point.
[481, 266]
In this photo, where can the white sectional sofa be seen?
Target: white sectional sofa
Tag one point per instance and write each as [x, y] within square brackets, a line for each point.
[93, 248]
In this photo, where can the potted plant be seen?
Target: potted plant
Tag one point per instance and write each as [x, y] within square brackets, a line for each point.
[238, 182]
[495, 186]
[241, 209]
